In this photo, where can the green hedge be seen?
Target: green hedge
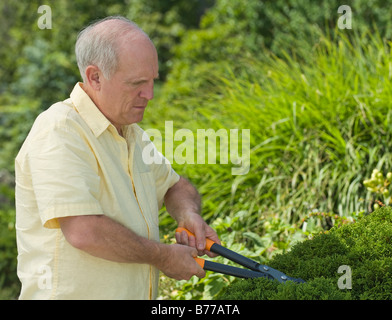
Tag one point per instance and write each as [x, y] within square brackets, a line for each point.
[364, 246]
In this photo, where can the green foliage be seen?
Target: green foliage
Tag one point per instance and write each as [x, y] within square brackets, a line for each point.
[379, 185]
[313, 126]
[364, 246]
[166, 22]
[233, 30]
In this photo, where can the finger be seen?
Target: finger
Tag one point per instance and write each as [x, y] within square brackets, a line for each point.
[211, 234]
[184, 239]
[201, 273]
[200, 238]
[189, 240]
[192, 241]
[178, 237]
[210, 254]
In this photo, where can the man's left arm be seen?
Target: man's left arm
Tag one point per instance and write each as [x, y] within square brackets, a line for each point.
[184, 204]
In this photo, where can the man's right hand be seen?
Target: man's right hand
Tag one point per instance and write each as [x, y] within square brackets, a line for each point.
[177, 262]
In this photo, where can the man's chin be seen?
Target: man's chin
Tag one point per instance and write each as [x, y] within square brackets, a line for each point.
[136, 119]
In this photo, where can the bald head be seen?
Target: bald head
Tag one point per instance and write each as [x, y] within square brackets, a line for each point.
[99, 44]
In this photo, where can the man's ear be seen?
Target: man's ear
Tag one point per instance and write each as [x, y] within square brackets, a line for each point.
[93, 75]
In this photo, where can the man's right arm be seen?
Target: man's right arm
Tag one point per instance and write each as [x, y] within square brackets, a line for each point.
[105, 238]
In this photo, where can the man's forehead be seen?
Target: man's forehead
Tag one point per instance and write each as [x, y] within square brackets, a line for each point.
[139, 56]
[137, 46]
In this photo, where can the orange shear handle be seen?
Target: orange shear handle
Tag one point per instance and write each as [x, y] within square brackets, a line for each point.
[209, 242]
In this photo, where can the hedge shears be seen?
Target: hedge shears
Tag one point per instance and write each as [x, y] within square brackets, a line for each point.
[257, 270]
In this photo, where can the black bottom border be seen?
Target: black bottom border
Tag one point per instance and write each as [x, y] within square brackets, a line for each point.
[216, 309]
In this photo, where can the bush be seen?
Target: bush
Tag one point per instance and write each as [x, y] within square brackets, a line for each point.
[365, 246]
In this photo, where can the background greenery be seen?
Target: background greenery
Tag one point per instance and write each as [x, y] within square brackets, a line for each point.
[315, 98]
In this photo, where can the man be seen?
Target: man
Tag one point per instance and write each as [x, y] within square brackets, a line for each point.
[87, 205]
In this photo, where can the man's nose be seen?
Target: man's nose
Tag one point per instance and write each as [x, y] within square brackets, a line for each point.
[147, 92]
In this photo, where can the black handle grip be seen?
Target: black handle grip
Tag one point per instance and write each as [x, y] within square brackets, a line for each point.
[234, 256]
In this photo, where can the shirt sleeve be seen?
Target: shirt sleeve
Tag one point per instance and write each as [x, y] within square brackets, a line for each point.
[64, 176]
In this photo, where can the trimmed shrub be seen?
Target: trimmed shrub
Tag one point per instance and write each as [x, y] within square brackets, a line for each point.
[365, 246]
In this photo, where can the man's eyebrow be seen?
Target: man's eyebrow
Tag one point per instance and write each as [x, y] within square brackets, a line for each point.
[139, 80]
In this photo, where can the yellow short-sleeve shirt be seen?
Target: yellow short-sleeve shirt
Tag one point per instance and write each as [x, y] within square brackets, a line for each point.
[74, 162]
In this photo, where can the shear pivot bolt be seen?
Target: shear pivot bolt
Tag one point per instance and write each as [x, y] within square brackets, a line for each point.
[265, 268]
[283, 277]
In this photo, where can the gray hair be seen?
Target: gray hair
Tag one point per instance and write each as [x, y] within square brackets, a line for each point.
[98, 46]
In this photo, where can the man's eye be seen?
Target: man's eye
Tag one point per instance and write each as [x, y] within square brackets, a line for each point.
[138, 83]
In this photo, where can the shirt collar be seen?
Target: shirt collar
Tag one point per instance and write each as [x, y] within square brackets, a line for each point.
[90, 113]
